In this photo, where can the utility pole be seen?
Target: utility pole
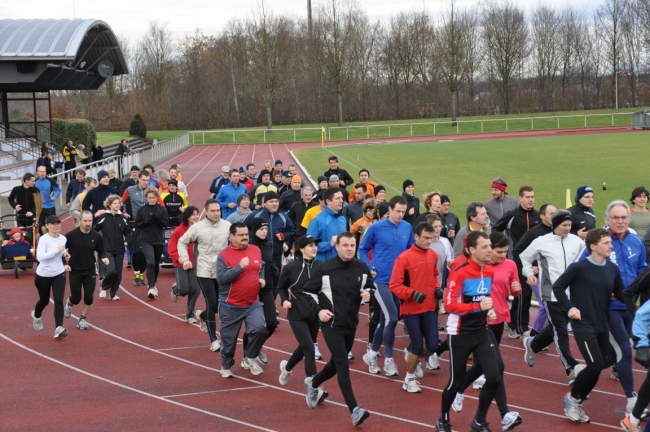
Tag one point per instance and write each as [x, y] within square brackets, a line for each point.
[309, 17]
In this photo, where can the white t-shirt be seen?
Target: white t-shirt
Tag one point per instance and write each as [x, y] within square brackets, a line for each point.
[50, 260]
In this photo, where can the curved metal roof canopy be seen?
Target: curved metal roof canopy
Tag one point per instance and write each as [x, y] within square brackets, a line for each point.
[42, 55]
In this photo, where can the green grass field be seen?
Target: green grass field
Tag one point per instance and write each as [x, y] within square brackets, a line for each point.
[464, 169]
[115, 137]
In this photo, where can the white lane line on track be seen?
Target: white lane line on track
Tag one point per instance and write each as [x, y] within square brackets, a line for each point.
[183, 348]
[302, 395]
[212, 391]
[361, 372]
[143, 393]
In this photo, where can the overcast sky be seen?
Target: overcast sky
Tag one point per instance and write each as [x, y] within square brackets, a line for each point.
[130, 18]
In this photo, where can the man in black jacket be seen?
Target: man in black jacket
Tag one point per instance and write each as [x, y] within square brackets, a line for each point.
[94, 200]
[341, 283]
[82, 244]
[515, 223]
[582, 214]
[75, 187]
[98, 151]
[345, 179]
[22, 200]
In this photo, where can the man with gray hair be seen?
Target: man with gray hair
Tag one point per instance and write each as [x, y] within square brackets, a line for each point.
[629, 255]
[500, 203]
[554, 253]
[477, 220]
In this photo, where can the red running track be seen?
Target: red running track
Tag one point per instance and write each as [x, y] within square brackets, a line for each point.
[140, 367]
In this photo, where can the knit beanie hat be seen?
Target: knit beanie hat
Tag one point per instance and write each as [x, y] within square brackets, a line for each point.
[560, 216]
[406, 184]
[582, 191]
[258, 223]
[379, 188]
[322, 178]
[444, 199]
[271, 195]
[382, 210]
[102, 174]
[241, 197]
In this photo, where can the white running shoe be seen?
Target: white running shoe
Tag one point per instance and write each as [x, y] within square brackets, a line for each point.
[419, 373]
[529, 354]
[512, 333]
[262, 357]
[60, 333]
[373, 368]
[390, 368]
[284, 373]
[190, 320]
[317, 354]
[433, 362]
[82, 324]
[350, 356]
[573, 410]
[511, 420]
[102, 293]
[115, 298]
[67, 309]
[215, 345]
[479, 383]
[37, 322]
[252, 365]
[457, 404]
[152, 293]
[226, 373]
[202, 325]
[574, 373]
[411, 386]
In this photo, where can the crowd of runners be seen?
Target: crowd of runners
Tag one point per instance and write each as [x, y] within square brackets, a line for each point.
[328, 249]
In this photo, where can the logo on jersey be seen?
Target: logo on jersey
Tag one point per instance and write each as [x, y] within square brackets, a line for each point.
[477, 287]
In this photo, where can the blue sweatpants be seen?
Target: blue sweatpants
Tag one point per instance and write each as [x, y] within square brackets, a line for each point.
[620, 352]
[386, 329]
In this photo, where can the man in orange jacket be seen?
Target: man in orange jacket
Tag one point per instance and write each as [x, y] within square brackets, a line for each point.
[414, 281]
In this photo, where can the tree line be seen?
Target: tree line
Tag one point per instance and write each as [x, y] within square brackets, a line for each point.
[268, 69]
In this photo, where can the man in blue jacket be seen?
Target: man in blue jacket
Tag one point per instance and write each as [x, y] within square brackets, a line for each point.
[328, 224]
[50, 191]
[387, 239]
[629, 255]
[220, 181]
[228, 194]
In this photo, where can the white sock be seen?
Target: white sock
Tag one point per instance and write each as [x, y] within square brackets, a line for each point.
[634, 420]
[410, 376]
[631, 400]
[372, 354]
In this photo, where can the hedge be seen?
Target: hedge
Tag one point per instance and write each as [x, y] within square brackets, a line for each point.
[137, 127]
[78, 130]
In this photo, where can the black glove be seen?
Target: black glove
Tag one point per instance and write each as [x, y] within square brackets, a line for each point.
[642, 356]
[418, 296]
[439, 293]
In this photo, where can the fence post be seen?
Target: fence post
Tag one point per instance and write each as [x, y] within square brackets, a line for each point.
[506, 125]
[434, 129]
[347, 133]
[388, 131]
[203, 138]
[532, 123]
[264, 135]
[294, 135]
[585, 121]
[411, 129]
[481, 126]
[612, 119]
[234, 140]
[558, 122]
[367, 132]
[457, 126]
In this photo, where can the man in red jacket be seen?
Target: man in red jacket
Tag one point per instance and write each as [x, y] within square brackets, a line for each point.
[414, 281]
[469, 305]
[240, 274]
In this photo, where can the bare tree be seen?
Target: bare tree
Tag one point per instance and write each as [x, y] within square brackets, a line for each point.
[506, 45]
[582, 53]
[156, 47]
[451, 51]
[546, 54]
[269, 50]
[332, 33]
[609, 24]
[633, 47]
